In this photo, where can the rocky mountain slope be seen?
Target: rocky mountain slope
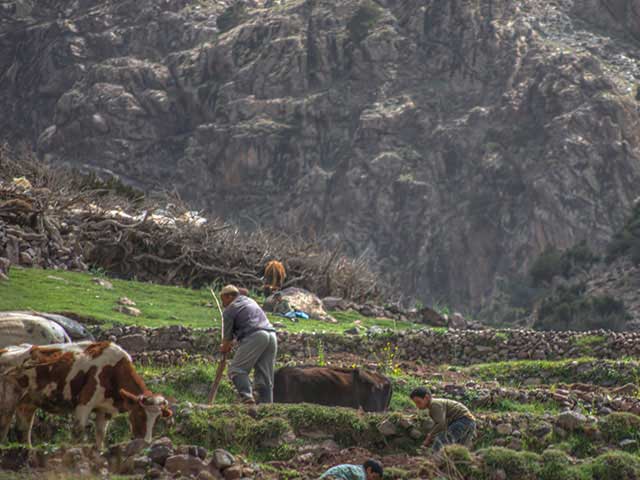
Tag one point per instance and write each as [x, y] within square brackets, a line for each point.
[452, 140]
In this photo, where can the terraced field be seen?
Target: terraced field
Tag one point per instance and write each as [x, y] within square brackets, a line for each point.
[556, 418]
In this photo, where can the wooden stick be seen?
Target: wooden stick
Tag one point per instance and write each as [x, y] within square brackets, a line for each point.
[216, 383]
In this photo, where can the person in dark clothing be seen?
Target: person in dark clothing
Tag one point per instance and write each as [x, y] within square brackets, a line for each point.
[246, 322]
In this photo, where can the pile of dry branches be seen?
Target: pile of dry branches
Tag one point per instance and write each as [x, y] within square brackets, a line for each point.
[61, 219]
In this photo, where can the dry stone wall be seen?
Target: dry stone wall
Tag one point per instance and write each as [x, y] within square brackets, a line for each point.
[456, 347]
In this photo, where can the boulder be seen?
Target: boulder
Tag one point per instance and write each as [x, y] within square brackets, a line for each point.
[429, 316]
[387, 428]
[629, 444]
[293, 298]
[233, 473]
[222, 459]
[184, 463]
[126, 301]
[334, 303]
[76, 331]
[457, 321]
[133, 343]
[159, 453]
[504, 429]
[571, 420]
[135, 446]
[19, 327]
[103, 283]
[131, 311]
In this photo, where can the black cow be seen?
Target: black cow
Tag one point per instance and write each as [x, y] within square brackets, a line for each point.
[341, 387]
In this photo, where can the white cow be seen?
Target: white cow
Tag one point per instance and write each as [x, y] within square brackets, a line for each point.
[17, 328]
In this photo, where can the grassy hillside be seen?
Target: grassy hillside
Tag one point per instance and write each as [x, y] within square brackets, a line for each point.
[161, 305]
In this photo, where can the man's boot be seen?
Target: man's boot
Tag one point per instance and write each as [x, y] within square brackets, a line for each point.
[243, 387]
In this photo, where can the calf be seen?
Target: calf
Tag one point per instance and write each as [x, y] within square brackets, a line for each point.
[77, 378]
[274, 277]
[344, 387]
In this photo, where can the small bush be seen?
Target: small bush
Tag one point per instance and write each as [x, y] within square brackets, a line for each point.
[569, 309]
[556, 465]
[618, 426]
[343, 423]
[231, 17]
[627, 240]
[456, 460]
[362, 21]
[615, 465]
[226, 426]
[520, 465]
[546, 266]
[553, 262]
[577, 257]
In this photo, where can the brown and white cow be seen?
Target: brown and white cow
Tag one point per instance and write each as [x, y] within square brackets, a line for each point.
[77, 378]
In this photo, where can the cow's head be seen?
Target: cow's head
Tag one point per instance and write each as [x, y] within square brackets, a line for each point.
[144, 409]
[376, 388]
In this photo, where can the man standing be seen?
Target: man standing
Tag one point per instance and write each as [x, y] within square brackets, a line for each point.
[245, 321]
[370, 470]
[454, 423]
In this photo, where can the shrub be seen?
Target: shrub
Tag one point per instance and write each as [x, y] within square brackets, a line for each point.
[362, 21]
[231, 17]
[553, 262]
[556, 465]
[456, 461]
[615, 465]
[520, 465]
[627, 240]
[343, 423]
[618, 426]
[546, 266]
[569, 309]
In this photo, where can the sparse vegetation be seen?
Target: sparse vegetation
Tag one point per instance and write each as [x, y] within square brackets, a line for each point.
[521, 465]
[363, 20]
[615, 465]
[553, 262]
[619, 426]
[627, 240]
[568, 308]
[590, 370]
[231, 17]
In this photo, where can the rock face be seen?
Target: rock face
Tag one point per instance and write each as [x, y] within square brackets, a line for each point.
[452, 140]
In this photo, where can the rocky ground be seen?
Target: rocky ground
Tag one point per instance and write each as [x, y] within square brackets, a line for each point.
[575, 416]
[452, 141]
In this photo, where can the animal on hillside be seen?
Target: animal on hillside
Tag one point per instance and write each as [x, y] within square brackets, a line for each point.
[341, 387]
[21, 327]
[274, 277]
[77, 378]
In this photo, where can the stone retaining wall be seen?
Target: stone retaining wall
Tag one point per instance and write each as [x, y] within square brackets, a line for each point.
[456, 347]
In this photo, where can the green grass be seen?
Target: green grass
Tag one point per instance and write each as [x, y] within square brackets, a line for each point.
[161, 305]
[534, 407]
[588, 340]
[597, 371]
